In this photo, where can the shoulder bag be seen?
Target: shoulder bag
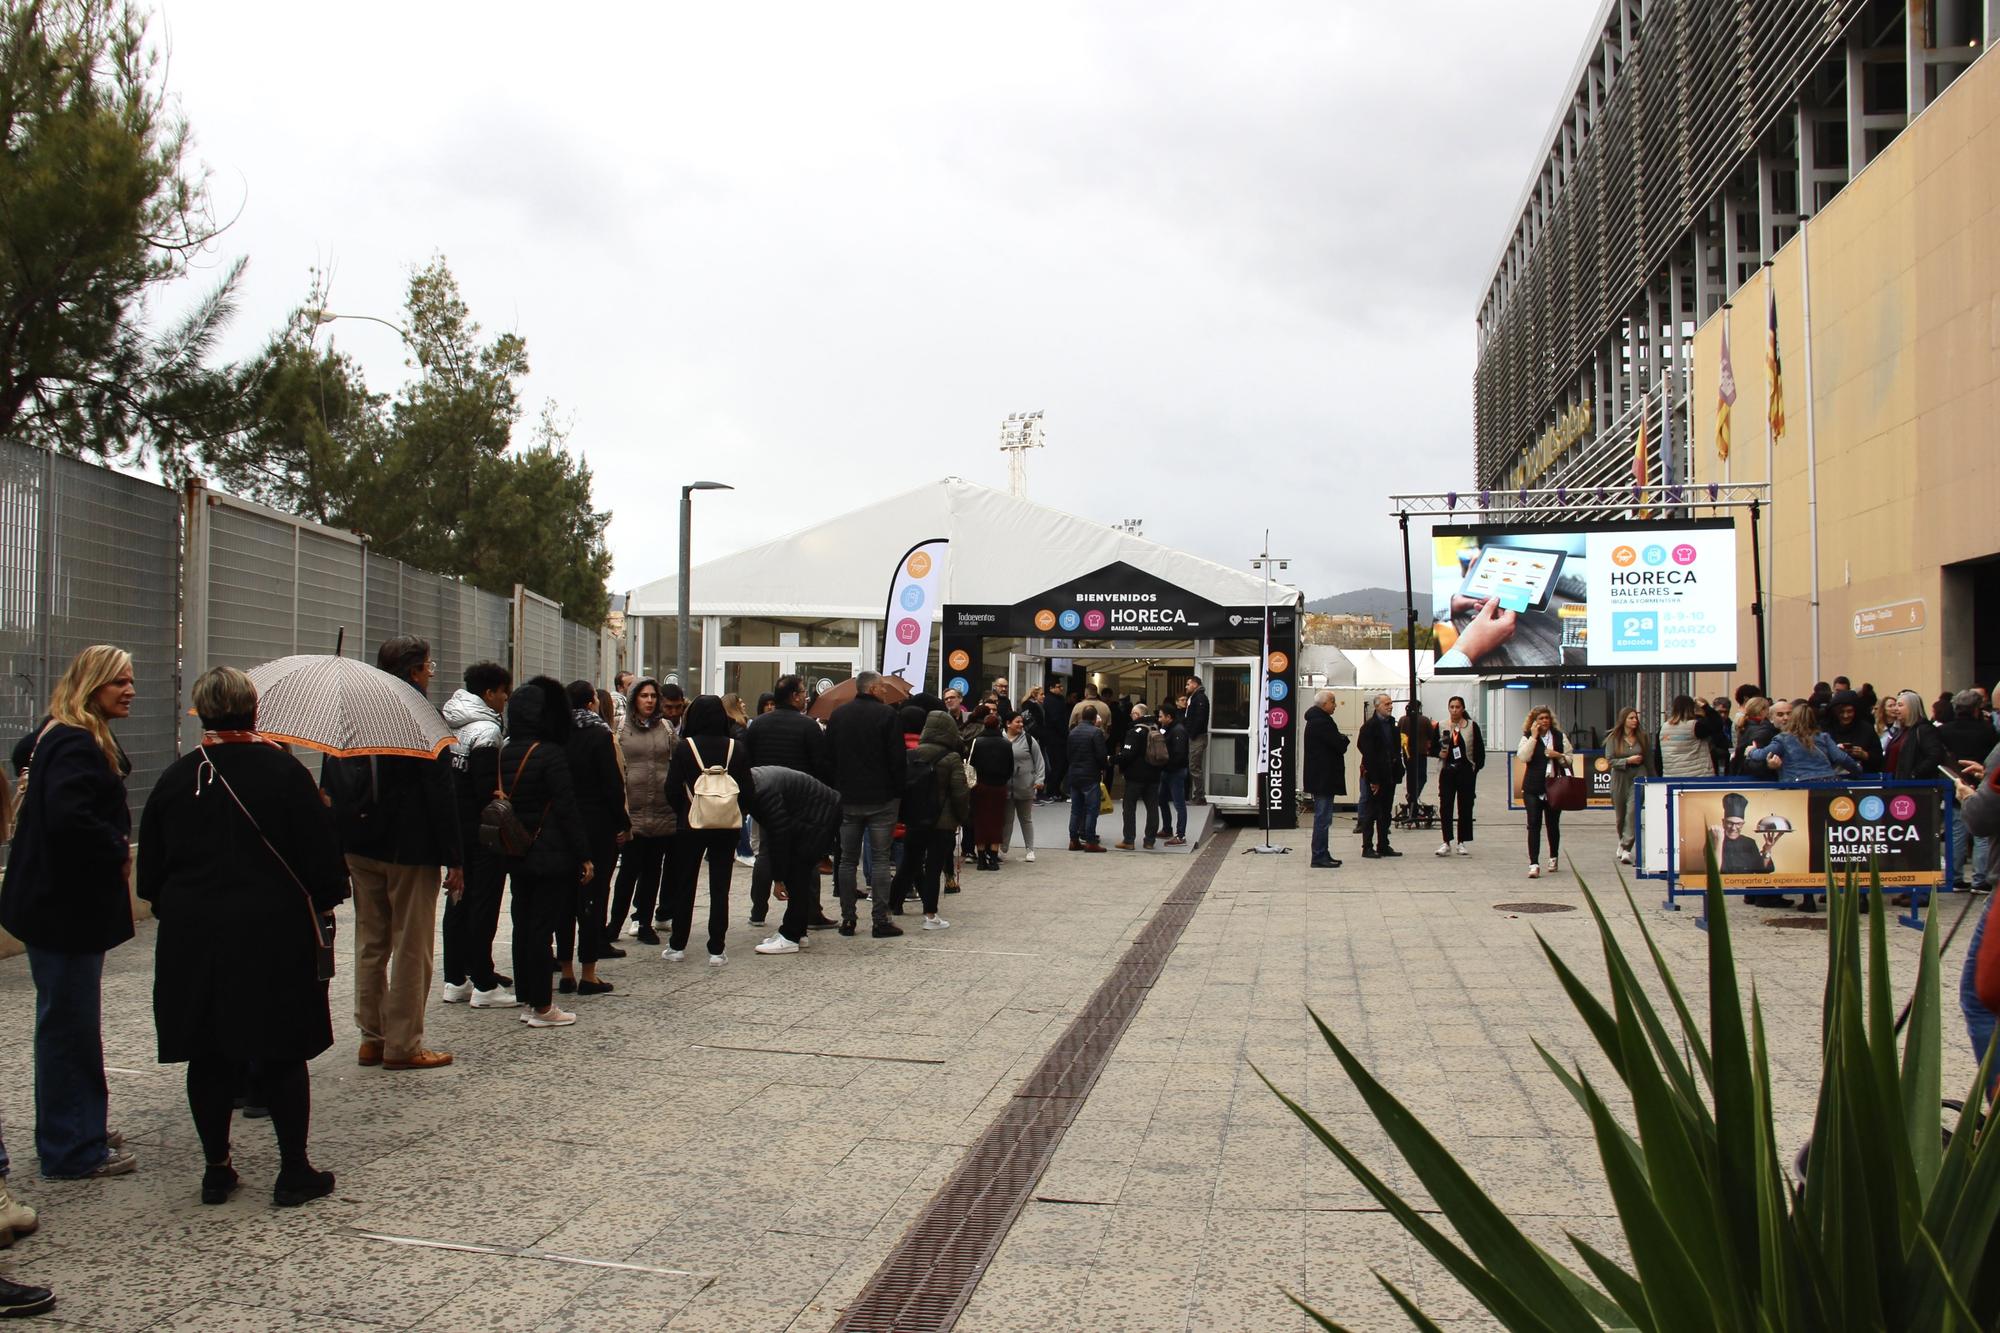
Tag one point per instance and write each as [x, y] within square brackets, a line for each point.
[1565, 790]
[323, 922]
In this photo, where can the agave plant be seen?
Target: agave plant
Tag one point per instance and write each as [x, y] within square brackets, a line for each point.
[1891, 1225]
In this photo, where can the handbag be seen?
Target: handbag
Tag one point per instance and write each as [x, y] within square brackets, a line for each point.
[1104, 806]
[1566, 791]
[20, 801]
[323, 922]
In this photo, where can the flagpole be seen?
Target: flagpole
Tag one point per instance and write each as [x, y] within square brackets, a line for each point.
[1812, 460]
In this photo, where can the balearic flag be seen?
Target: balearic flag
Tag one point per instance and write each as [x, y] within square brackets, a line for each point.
[1639, 456]
[1774, 373]
[1725, 393]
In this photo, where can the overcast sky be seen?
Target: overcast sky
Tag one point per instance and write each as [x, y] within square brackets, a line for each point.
[819, 251]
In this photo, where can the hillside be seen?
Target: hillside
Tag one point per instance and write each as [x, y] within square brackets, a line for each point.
[1384, 602]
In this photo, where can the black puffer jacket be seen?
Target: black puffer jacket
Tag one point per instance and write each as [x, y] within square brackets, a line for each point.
[787, 738]
[794, 810]
[866, 737]
[534, 769]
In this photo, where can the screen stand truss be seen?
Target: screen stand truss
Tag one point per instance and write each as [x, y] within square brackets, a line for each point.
[1559, 503]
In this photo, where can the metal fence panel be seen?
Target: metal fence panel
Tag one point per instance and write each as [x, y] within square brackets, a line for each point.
[538, 643]
[478, 628]
[88, 555]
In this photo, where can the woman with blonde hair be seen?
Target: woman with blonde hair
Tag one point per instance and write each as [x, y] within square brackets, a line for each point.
[65, 897]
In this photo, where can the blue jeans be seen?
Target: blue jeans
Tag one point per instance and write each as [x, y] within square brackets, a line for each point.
[1173, 801]
[71, 1099]
[1083, 799]
[878, 822]
[1322, 821]
[1979, 1020]
[743, 847]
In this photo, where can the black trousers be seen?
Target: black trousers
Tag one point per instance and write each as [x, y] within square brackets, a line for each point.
[542, 906]
[934, 848]
[1147, 793]
[281, 1086]
[640, 872]
[1456, 786]
[1414, 778]
[799, 868]
[1375, 819]
[1540, 812]
[767, 871]
[470, 922]
[593, 932]
[691, 848]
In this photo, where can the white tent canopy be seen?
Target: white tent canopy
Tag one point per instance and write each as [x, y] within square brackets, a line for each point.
[1003, 550]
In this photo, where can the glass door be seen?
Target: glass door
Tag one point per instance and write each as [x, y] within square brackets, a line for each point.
[822, 675]
[1231, 742]
[1024, 672]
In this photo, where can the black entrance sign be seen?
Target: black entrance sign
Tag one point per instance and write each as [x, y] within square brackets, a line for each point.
[1117, 601]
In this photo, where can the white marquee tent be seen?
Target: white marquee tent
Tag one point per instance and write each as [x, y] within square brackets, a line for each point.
[1003, 550]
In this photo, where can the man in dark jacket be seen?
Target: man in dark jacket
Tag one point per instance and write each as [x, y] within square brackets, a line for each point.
[1853, 732]
[1419, 735]
[472, 917]
[786, 737]
[1326, 773]
[1086, 751]
[1142, 776]
[399, 831]
[798, 814]
[1174, 777]
[1968, 737]
[1195, 718]
[866, 739]
[1055, 737]
[599, 782]
[1381, 769]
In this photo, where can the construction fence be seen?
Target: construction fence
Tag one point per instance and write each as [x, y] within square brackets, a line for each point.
[186, 582]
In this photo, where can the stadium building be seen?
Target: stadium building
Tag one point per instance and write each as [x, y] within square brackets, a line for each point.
[1821, 168]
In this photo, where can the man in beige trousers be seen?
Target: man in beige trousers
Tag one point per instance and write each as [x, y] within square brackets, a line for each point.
[399, 830]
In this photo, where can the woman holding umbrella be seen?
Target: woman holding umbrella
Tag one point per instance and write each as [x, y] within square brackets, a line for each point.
[65, 898]
[241, 862]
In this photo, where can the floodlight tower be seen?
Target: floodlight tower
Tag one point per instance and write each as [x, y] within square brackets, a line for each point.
[1020, 432]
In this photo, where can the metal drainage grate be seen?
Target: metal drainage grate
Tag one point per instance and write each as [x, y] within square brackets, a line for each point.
[1797, 922]
[924, 1284]
[1532, 909]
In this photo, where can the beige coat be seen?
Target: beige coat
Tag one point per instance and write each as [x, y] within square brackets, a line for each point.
[647, 754]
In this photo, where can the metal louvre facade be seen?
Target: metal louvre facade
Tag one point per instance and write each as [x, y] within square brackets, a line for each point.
[1695, 135]
[89, 556]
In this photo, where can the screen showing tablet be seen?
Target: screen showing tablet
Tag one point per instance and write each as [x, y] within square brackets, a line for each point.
[1519, 576]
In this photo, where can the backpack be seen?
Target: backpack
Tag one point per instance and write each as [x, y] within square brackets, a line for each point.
[714, 801]
[1156, 747]
[352, 785]
[500, 826]
[922, 802]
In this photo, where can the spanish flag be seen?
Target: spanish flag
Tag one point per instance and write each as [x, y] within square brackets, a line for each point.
[1725, 393]
[1774, 373]
[1639, 457]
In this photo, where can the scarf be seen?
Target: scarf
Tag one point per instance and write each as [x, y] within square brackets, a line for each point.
[585, 719]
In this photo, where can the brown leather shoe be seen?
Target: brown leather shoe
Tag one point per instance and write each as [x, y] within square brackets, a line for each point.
[369, 1054]
[1124, 846]
[418, 1060]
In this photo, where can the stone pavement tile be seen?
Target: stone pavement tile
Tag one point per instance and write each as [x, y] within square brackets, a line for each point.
[1081, 1181]
[1142, 1237]
[216, 1316]
[1032, 1299]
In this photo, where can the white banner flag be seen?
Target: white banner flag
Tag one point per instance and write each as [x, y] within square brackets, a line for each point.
[1262, 697]
[913, 605]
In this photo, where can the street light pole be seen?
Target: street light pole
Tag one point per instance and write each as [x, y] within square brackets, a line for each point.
[681, 618]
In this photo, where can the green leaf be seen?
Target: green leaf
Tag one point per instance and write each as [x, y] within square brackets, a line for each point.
[1734, 1082]
[1416, 1316]
[1487, 1288]
[1316, 1316]
[1693, 1034]
[1675, 1293]
[1628, 1296]
[1922, 1082]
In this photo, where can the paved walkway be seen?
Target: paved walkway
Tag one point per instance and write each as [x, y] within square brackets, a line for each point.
[738, 1148]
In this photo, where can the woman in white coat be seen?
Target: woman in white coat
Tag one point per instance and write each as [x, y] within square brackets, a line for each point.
[1029, 774]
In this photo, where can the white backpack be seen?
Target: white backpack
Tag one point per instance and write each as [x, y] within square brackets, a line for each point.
[714, 799]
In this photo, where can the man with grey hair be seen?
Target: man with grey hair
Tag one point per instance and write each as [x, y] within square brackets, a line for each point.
[1381, 769]
[869, 762]
[1142, 755]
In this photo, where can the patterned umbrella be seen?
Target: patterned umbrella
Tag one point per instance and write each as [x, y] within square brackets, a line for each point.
[345, 708]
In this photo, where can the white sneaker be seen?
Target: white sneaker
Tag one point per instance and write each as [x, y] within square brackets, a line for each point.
[1552, 865]
[777, 944]
[1030, 856]
[673, 955]
[16, 1218]
[717, 959]
[749, 862]
[936, 923]
[1444, 849]
[1534, 870]
[457, 994]
[1624, 857]
[1462, 849]
[551, 1017]
[497, 998]
[631, 930]
[805, 941]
